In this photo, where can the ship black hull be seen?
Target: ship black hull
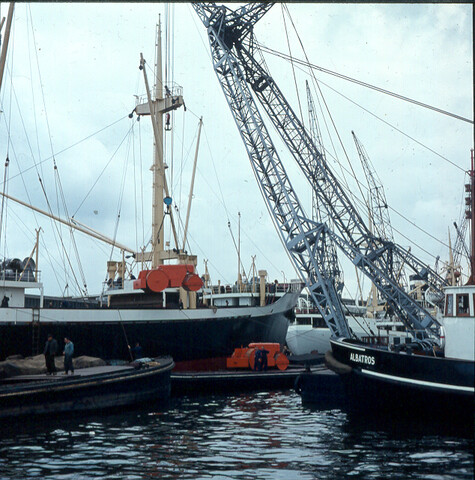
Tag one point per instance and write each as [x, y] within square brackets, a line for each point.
[186, 340]
[85, 391]
[379, 381]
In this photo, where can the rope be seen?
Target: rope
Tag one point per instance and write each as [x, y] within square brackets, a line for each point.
[103, 170]
[68, 148]
[328, 110]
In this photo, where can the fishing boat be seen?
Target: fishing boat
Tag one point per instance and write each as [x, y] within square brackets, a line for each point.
[408, 378]
[155, 297]
[94, 388]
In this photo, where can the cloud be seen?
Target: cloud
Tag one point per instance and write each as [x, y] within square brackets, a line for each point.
[89, 55]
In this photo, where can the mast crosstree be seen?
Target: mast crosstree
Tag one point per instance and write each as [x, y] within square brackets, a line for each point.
[156, 107]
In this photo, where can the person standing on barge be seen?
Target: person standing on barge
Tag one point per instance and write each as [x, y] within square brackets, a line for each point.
[51, 349]
[68, 356]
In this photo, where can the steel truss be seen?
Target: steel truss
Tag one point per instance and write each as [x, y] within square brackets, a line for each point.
[239, 66]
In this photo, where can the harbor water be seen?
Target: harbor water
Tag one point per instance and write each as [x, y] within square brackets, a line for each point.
[268, 435]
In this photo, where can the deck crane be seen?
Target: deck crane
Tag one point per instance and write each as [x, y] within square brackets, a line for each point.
[237, 61]
[378, 211]
[332, 266]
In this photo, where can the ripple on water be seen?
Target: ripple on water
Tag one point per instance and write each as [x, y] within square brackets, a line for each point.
[250, 436]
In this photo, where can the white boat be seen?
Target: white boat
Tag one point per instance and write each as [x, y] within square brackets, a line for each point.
[308, 332]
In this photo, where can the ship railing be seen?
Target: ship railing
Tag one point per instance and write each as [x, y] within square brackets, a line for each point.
[245, 288]
[375, 340]
[15, 276]
[113, 284]
[271, 288]
[307, 311]
[170, 89]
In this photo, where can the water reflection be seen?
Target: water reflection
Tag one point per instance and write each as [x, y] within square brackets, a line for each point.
[266, 435]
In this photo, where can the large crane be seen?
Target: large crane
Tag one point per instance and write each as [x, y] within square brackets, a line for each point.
[238, 61]
[304, 238]
[460, 247]
[378, 205]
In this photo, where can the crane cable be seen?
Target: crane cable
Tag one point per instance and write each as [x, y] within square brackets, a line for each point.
[363, 84]
[328, 111]
[308, 64]
[283, 6]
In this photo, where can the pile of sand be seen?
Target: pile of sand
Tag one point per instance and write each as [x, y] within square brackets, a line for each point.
[17, 365]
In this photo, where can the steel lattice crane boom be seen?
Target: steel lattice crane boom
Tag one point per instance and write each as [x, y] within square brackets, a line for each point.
[377, 198]
[317, 138]
[303, 237]
[460, 247]
[378, 207]
[231, 33]
[332, 265]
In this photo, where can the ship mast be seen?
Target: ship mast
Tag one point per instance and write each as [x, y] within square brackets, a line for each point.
[8, 27]
[156, 107]
[158, 168]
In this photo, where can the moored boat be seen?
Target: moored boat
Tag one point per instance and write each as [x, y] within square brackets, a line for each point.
[199, 338]
[308, 332]
[93, 388]
[419, 377]
[245, 79]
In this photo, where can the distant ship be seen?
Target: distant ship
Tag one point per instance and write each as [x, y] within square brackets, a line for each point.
[308, 332]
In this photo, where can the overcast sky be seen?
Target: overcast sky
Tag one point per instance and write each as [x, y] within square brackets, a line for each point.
[88, 55]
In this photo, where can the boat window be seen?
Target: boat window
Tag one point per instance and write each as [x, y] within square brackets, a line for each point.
[449, 305]
[462, 305]
[318, 323]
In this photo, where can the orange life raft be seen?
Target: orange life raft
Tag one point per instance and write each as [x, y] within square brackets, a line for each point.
[245, 357]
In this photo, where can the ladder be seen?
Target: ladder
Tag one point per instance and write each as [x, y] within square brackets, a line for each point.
[35, 331]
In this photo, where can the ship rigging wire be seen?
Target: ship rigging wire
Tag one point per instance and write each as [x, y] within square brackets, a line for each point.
[358, 200]
[292, 59]
[58, 185]
[125, 137]
[59, 152]
[363, 84]
[13, 94]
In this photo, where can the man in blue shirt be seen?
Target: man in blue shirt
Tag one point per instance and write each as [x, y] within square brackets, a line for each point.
[68, 356]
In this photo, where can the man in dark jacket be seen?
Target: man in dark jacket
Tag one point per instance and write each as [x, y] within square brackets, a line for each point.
[136, 351]
[51, 349]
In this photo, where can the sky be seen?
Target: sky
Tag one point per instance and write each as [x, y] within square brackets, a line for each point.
[71, 80]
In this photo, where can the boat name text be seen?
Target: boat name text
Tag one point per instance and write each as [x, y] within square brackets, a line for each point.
[366, 359]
